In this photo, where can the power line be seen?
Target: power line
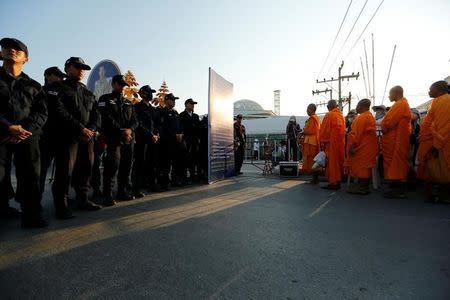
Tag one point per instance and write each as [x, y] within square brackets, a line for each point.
[335, 38]
[348, 35]
[367, 25]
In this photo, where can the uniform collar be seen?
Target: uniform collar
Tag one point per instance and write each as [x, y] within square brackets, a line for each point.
[5, 75]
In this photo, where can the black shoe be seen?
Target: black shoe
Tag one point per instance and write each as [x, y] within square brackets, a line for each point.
[155, 188]
[97, 194]
[138, 195]
[109, 201]
[125, 197]
[64, 214]
[88, 206]
[9, 212]
[331, 187]
[33, 222]
[177, 183]
[393, 194]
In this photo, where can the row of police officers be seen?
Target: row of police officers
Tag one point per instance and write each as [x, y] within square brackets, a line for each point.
[144, 146]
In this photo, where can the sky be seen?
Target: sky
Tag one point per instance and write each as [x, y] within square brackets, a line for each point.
[258, 45]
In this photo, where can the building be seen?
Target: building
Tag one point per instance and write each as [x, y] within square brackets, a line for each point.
[250, 109]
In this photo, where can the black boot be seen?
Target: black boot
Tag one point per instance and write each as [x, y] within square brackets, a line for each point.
[33, 221]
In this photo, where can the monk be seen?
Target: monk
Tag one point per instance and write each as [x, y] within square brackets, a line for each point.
[396, 128]
[434, 144]
[362, 148]
[310, 141]
[332, 141]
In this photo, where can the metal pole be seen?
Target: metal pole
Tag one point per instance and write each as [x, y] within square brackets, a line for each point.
[364, 76]
[373, 70]
[339, 89]
[389, 74]
[367, 67]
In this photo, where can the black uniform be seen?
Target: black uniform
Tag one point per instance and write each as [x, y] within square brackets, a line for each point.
[48, 141]
[22, 102]
[239, 146]
[191, 129]
[203, 150]
[117, 114]
[75, 108]
[170, 148]
[144, 165]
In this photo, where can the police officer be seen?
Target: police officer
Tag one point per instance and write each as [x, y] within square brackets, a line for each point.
[203, 150]
[77, 120]
[190, 122]
[23, 113]
[144, 171]
[170, 144]
[240, 139]
[49, 137]
[119, 122]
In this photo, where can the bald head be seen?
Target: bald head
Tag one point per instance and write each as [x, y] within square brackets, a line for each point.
[363, 106]
[332, 104]
[438, 88]
[311, 110]
[396, 93]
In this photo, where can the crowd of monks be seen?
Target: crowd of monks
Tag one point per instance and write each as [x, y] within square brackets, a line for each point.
[355, 153]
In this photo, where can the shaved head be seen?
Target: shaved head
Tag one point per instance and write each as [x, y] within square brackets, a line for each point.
[396, 93]
[312, 106]
[332, 104]
[438, 88]
[363, 106]
[311, 110]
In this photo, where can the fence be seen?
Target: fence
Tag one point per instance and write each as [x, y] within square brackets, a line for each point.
[268, 148]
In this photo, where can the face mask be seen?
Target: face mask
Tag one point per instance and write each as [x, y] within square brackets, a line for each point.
[379, 115]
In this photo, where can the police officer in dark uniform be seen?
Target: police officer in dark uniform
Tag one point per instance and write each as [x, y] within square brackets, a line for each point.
[49, 137]
[77, 119]
[119, 123]
[203, 150]
[190, 122]
[240, 139]
[23, 112]
[170, 143]
[144, 170]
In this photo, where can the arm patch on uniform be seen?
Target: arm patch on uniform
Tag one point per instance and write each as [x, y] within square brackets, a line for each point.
[53, 93]
[102, 104]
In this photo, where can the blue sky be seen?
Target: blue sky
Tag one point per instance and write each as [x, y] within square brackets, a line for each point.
[259, 46]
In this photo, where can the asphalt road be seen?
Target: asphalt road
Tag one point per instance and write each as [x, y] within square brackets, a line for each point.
[252, 237]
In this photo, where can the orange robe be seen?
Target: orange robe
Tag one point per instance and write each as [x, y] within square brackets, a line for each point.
[363, 138]
[396, 128]
[310, 143]
[435, 132]
[332, 136]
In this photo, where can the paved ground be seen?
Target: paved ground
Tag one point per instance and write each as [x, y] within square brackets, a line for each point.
[252, 237]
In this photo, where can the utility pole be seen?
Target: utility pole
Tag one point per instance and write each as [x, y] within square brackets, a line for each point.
[339, 80]
[348, 101]
[327, 90]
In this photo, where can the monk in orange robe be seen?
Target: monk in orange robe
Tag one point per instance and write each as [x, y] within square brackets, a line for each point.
[362, 148]
[332, 141]
[396, 128]
[434, 144]
[310, 141]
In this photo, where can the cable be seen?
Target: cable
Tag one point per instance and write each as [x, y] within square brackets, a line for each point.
[348, 35]
[335, 38]
[364, 29]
